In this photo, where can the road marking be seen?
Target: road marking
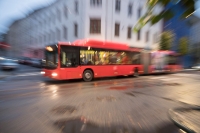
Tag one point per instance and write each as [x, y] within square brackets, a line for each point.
[164, 78]
[2, 81]
[168, 79]
[157, 77]
[186, 75]
[29, 70]
[28, 74]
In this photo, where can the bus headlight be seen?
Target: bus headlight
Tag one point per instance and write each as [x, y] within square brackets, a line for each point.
[54, 74]
[42, 72]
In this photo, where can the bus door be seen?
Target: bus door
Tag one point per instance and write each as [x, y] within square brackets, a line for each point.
[69, 62]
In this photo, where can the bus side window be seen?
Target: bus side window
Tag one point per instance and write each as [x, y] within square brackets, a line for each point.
[135, 58]
[103, 58]
[112, 57]
[86, 57]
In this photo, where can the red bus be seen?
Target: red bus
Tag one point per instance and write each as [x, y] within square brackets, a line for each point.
[165, 61]
[88, 59]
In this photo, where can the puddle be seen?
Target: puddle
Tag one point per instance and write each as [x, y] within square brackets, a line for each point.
[77, 126]
[172, 84]
[83, 126]
[118, 88]
[130, 94]
[138, 85]
[102, 83]
[106, 98]
[64, 109]
[169, 99]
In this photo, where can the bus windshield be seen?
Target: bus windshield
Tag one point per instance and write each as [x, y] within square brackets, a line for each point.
[51, 57]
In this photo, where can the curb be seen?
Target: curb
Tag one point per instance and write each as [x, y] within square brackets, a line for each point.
[179, 121]
[187, 70]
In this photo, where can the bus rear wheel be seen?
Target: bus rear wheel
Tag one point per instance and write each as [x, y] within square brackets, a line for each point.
[88, 75]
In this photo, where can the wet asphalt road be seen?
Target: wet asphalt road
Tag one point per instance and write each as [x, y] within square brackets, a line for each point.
[36, 104]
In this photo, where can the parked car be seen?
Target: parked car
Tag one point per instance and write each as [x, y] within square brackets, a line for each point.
[21, 60]
[36, 62]
[8, 64]
[24, 60]
[43, 63]
[28, 61]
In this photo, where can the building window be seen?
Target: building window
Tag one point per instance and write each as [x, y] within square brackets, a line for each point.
[129, 33]
[155, 38]
[130, 9]
[117, 27]
[65, 11]
[44, 23]
[92, 2]
[147, 36]
[45, 39]
[58, 15]
[64, 32]
[139, 12]
[117, 5]
[95, 26]
[49, 20]
[95, 2]
[58, 34]
[76, 7]
[53, 18]
[75, 30]
[138, 35]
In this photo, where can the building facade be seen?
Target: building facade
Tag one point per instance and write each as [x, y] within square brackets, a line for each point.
[195, 42]
[69, 20]
[181, 28]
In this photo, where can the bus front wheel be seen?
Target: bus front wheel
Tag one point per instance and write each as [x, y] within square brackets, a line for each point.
[88, 75]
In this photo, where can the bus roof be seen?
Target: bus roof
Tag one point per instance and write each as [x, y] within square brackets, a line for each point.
[100, 44]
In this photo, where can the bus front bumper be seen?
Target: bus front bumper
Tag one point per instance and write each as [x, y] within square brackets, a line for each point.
[50, 74]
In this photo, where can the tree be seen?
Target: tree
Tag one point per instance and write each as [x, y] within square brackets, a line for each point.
[166, 13]
[166, 40]
[183, 46]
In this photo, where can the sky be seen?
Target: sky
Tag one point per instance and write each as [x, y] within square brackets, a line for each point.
[11, 10]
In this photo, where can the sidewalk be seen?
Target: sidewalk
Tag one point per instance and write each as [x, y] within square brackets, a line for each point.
[185, 70]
